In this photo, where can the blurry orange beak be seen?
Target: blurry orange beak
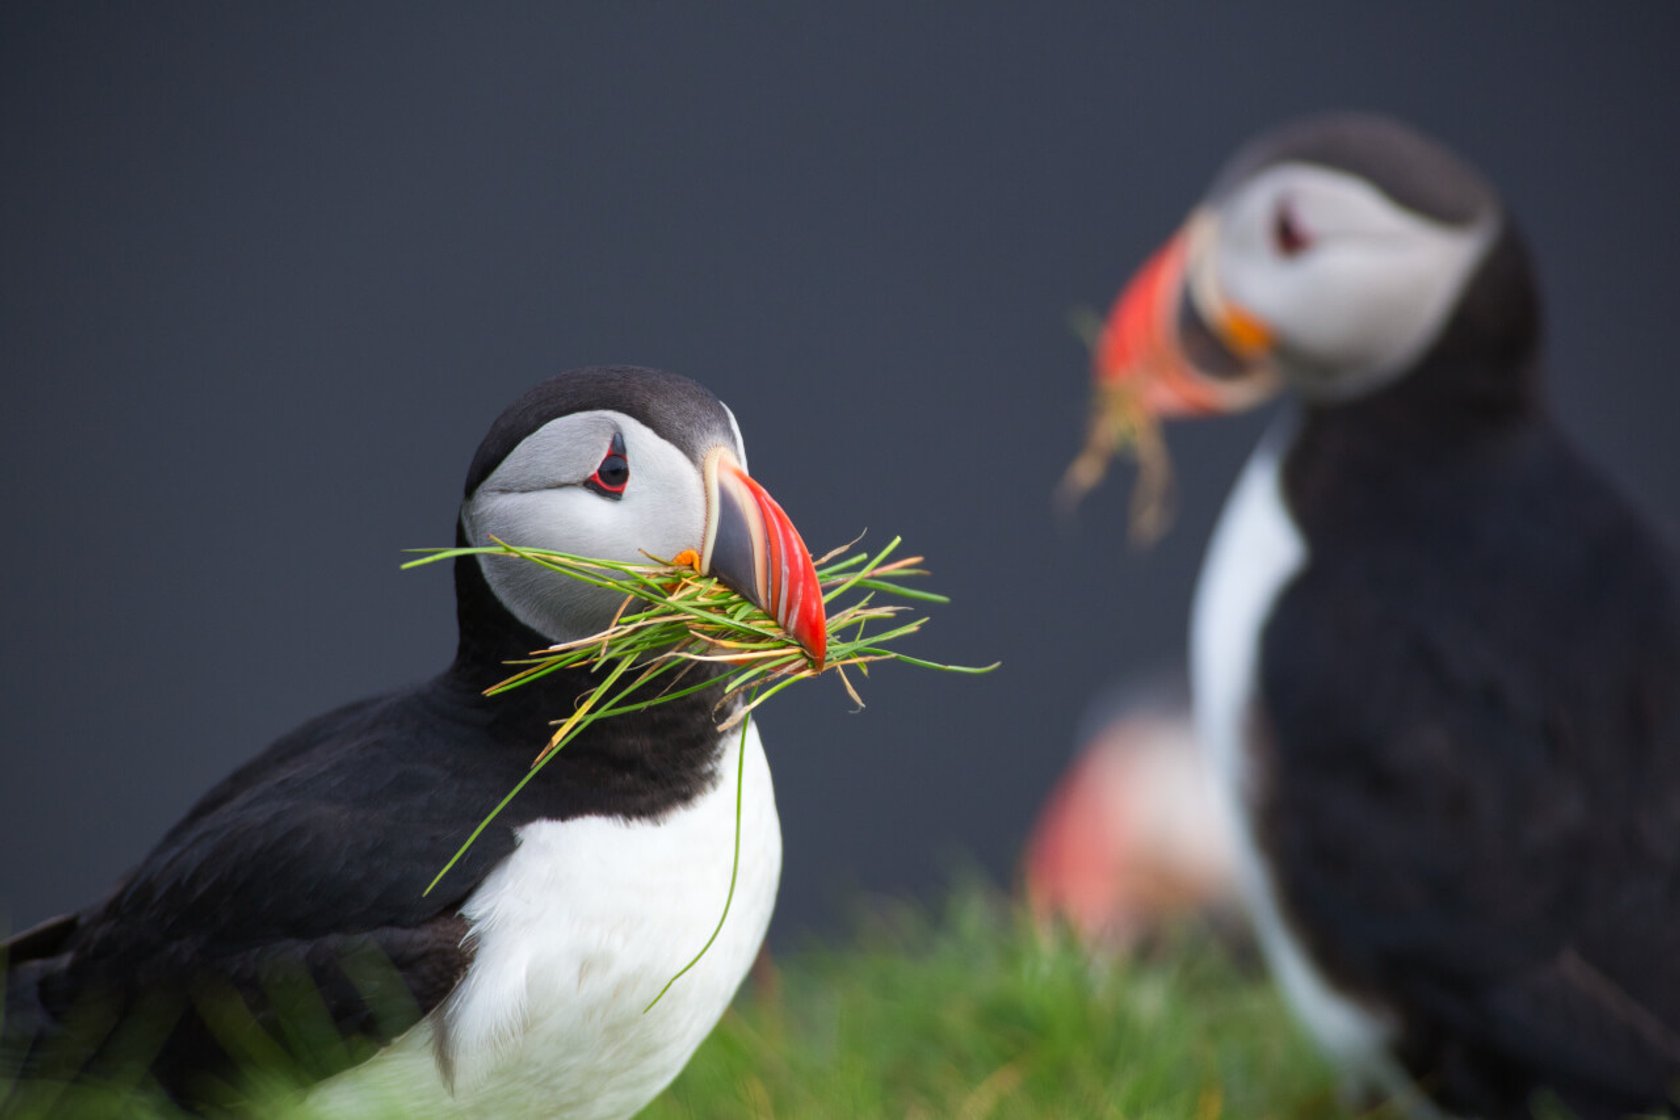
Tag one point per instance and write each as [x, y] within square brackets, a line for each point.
[1172, 341]
[752, 546]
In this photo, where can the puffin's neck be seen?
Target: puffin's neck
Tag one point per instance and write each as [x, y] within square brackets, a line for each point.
[1475, 395]
[642, 763]
[488, 635]
[1411, 454]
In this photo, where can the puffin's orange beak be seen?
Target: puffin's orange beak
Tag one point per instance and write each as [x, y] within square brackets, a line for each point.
[1178, 353]
[752, 546]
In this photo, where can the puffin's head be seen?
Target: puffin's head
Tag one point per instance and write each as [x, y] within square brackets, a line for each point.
[1330, 255]
[621, 463]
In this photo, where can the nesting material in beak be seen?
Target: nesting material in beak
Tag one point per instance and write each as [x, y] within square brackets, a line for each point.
[1142, 373]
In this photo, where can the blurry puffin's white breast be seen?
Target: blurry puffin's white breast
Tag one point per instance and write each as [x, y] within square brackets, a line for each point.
[574, 934]
[1255, 551]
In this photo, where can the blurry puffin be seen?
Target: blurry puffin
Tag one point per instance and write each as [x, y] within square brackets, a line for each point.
[1133, 838]
[525, 974]
[1435, 656]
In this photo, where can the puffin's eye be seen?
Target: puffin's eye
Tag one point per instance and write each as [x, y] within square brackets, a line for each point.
[1288, 234]
[613, 475]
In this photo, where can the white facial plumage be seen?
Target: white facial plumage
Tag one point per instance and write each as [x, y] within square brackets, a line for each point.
[1370, 290]
[536, 498]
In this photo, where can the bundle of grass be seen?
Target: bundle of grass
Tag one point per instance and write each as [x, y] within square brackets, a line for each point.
[1120, 421]
[674, 618]
[1120, 424]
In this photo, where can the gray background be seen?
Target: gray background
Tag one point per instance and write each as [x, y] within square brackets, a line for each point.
[266, 276]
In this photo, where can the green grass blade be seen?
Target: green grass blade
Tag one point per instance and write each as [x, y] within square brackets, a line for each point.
[734, 872]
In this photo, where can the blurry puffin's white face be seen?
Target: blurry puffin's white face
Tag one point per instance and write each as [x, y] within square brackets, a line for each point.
[1350, 286]
[596, 483]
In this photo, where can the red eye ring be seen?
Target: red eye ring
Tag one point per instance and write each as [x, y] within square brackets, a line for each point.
[1290, 237]
[613, 475]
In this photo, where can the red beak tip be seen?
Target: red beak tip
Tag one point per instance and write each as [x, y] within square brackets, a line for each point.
[810, 627]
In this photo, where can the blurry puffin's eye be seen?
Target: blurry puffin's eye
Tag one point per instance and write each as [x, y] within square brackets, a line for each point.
[1288, 235]
[613, 475]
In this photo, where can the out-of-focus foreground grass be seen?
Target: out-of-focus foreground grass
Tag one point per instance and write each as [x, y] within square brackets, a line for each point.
[972, 1013]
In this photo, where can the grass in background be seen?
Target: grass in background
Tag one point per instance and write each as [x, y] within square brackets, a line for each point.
[973, 1014]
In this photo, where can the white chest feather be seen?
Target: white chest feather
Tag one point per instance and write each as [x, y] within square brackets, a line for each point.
[574, 934]
[1255, 552]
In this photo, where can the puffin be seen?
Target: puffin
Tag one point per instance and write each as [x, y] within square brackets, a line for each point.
[1435, 654]
[1132, 839]
[291, 901]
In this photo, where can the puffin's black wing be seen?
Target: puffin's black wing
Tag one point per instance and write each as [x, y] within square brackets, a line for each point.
[1469, 748]
[290, 899]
